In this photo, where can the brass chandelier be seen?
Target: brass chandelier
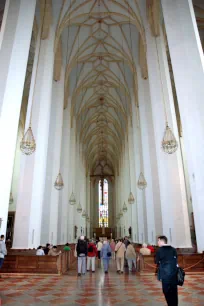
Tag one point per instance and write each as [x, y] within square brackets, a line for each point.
[79, 208]
[169, 142]
[72, 199]
[125, 208]
[59, 184]
[142, 184]
[27, 144]
[84, 214]
[131, 199]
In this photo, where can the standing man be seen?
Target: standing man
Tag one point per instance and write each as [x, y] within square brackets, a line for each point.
[3, 250]
[82, 250]
[166, 259]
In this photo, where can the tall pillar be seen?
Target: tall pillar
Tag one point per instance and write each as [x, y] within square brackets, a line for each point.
[92, 225]
[88, 203]
[51, 195]
[79, 189]
[140, 199]
[188, 68]
[175, 219]
[13, 62]
[72, 163]
[133, 207]
[27, 229]
[66, 174]
[151, 192]
[57, 121]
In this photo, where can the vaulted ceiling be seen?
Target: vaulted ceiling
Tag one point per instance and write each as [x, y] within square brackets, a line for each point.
[100, 40]
[101, 45]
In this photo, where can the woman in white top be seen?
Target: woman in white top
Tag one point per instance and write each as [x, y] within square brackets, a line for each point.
[40, 251]
[99, 247]
[120, 255]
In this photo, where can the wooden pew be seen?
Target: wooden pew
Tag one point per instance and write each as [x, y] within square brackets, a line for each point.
[27, 263]
[189, 262]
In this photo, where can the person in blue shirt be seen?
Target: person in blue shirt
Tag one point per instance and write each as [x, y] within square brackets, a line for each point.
[106, 255]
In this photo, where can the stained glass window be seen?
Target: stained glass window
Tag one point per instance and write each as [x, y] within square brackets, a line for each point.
[103, 207]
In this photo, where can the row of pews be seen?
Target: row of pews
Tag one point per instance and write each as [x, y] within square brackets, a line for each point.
[26, 262]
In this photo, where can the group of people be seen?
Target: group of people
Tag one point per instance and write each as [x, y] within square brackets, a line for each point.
[166, 259]
[119, 250]
[51, 250]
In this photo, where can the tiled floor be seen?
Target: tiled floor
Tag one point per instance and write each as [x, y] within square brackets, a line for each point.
[96, 289]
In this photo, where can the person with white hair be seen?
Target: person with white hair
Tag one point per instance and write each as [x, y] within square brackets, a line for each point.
[144, 250]
[106, 255]
[82, 251]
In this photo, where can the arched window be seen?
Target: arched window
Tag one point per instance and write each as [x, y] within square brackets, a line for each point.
[103, 202]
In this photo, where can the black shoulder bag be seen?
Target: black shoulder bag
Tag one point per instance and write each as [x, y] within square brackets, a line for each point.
[180, 276]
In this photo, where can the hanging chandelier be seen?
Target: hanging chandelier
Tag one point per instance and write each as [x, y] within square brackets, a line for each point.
[169, 142]
[79, 208]
[84, 214]
[27, 144]
[11, 199]
[72, 200]
[131, 199]
[59, 182]
[142, 184]
[124, 208]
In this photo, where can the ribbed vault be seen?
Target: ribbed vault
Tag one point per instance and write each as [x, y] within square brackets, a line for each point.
[100, 40]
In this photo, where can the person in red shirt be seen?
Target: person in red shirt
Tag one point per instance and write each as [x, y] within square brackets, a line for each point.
[92, 253]
[151, 248]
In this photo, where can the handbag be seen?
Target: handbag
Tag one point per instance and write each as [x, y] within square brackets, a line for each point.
[118, 248]
[109, 254]
[180, 276]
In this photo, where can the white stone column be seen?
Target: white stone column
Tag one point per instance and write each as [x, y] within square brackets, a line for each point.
[72, 208]
[51, 195]
[92, 225]
[139, 197]
[175, 219]
[188, 68]
[152, 192]
[27, 230]
[88, 199]
[133, 207]
[79, 189]
[13, 63]
[66, 174]
[58, 96]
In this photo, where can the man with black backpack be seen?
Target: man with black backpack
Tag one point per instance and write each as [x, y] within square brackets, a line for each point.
[166, 259]
[81, 254]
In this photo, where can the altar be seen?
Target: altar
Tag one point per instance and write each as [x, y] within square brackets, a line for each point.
[104, 232]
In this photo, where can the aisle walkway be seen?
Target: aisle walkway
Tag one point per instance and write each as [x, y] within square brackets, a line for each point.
[95, 289]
